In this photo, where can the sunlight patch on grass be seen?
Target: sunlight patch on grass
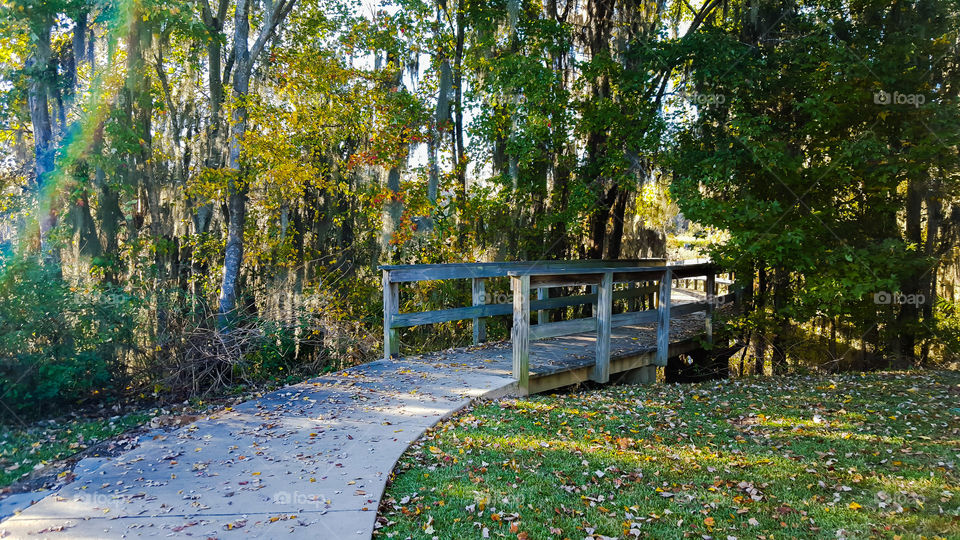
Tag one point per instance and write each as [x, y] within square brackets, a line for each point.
[23, 449]
[801, 457]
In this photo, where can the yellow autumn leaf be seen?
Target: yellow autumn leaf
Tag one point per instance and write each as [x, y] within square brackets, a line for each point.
[854, 506]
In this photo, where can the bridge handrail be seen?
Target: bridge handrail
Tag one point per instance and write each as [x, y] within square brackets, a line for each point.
[405, 273]
[543, 275]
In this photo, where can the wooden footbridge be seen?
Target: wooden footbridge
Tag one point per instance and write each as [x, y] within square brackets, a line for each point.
[641, 313]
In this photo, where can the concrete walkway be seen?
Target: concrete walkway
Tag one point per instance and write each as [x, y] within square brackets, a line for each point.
[308, 461]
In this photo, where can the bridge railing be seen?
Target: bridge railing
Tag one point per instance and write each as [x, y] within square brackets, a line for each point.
[647, 279]
[478, 273]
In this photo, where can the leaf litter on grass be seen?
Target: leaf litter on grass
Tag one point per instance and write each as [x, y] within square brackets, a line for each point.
[845, 456]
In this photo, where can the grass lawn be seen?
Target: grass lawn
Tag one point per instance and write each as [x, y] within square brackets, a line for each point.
[849, 456]
[24, 448]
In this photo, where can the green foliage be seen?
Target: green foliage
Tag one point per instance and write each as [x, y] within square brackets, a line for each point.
[58, 345]
[784, 145]
[273, 356]
[947, 331]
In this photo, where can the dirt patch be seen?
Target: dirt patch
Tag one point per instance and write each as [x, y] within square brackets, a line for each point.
[58, 473]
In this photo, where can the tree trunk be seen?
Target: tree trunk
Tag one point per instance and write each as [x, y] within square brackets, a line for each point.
[237, 202]
[38, 91]
[908, 317]
[441, 117]
[615, 241]
[760, 307]
[781, 284]
[243, 59]
[461, 166]
[393, 210]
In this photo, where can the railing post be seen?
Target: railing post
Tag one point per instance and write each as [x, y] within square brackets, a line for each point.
[479, 298]
[593, 306]
[542, 294]
[520, 331]
[663, 318]
[601, 369]
[710, 286]
[391, 307]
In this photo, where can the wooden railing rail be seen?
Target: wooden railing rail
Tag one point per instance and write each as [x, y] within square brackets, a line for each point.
[394, 275]
[645, 280]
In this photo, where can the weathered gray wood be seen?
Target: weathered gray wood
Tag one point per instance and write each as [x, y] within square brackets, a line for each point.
[510, 265]
[563, 280]
[520, 331]
[425, 272]
[635, 292]
[622, 271]
[640, 375]
[663, 318]
[593, 293]
[710, 287]
[679, 310]
[527, 275]
[562, 328]
[601, 369]
[634, 318]
[556, 379]
[452, 314]
[542, 294]
[492, 310]
[391, 308]
[479, 298]
[573, 270]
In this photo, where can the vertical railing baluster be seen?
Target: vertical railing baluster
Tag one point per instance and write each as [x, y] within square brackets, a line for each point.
[604, 313]
[542, 294]
[391, 307]
[520, 331]
[663, 318]
[479, 294]
[710, 287]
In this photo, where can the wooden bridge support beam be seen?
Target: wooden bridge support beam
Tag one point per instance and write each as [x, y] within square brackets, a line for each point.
[640, 375]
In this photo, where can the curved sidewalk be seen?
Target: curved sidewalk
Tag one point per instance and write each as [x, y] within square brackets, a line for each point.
[307, 461]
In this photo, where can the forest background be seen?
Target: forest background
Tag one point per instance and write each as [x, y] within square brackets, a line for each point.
[195, 195]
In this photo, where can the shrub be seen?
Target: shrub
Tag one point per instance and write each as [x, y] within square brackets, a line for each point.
[58, 345]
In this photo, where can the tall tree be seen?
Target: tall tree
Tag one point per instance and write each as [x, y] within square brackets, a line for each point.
[244, 57]
[794, 148]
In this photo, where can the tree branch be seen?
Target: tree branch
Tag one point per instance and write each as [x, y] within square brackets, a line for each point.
[274, 18]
